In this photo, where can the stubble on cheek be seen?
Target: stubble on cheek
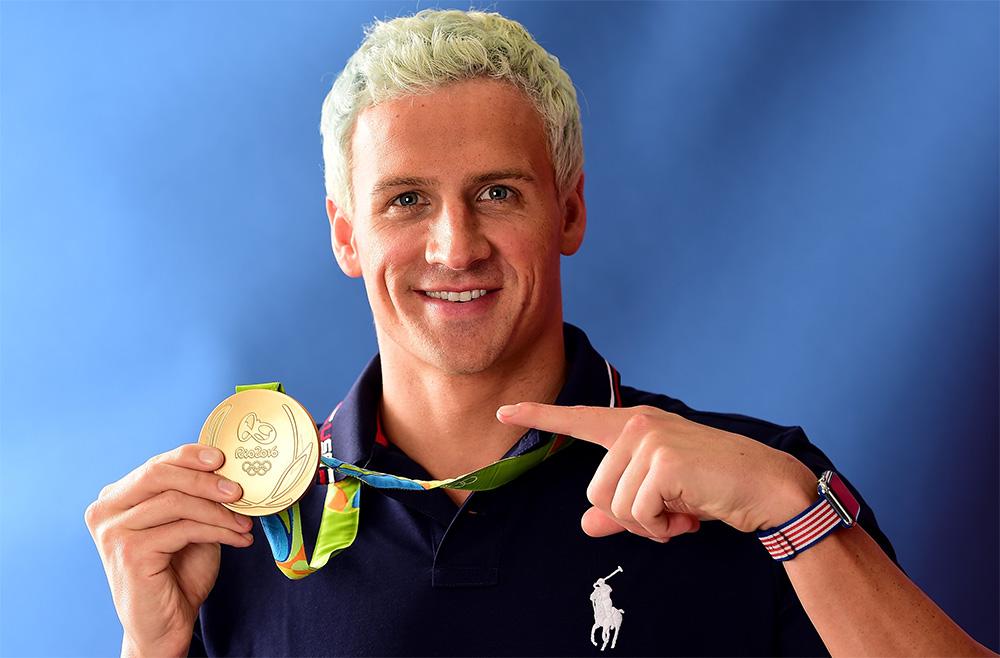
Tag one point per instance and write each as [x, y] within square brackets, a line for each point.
[378, 282]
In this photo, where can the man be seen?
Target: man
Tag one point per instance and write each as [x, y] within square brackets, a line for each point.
[455, 185]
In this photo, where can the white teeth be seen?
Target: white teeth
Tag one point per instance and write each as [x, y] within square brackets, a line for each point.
[464, 296]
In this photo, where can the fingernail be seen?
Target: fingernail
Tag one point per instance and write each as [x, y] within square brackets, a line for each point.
[248, 536]
[244, 521]
[507, 410]
[228, 487]
[208, 456]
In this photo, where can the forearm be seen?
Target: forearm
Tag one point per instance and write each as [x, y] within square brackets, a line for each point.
[862, 604]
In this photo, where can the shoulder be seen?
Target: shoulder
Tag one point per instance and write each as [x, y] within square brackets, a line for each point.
[787, 438]
[749, 426]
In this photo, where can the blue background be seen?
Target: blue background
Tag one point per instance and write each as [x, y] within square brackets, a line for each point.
[793, 214]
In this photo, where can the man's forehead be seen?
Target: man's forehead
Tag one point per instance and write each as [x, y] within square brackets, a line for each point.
[476, 129]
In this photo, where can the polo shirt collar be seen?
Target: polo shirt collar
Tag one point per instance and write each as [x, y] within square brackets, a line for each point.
[590, 380]
[352, 423]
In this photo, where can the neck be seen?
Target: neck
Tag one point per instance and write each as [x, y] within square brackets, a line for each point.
[446, 422]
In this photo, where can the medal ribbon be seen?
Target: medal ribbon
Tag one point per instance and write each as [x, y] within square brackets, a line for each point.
[339, 524]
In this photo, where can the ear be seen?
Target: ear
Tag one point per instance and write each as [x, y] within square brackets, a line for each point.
[574, 220]
[342, 240]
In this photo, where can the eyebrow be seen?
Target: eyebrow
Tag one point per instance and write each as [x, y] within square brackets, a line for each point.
[411, 181]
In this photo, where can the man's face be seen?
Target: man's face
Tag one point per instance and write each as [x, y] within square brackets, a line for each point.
[454, 194]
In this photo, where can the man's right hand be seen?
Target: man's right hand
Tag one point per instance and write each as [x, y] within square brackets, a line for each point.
[158, 531]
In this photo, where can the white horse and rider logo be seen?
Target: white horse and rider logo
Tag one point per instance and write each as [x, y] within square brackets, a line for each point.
[606, 615]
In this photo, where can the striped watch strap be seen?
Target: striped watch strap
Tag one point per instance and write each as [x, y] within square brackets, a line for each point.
[820, 519]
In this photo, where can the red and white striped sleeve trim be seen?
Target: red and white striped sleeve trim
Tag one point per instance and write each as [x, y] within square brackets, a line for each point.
[786, 541]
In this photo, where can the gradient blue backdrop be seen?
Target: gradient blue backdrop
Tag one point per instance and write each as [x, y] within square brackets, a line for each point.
[793, 215]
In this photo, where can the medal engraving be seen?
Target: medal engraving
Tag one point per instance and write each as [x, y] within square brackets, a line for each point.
[271, 446]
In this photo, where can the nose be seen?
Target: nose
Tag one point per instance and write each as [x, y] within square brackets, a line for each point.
[456, 239]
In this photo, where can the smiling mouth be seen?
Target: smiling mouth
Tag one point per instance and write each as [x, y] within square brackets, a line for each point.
[456, 296]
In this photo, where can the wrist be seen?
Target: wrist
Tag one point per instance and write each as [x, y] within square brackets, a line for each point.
[835, 507]
[794, 493]
[131, 650]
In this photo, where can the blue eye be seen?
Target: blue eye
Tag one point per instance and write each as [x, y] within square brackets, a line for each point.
[498, 192]
[408, 199]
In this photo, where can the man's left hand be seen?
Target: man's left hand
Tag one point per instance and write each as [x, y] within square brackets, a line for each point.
[663, 474]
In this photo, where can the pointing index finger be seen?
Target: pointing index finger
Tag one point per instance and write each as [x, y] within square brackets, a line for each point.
[594, 424]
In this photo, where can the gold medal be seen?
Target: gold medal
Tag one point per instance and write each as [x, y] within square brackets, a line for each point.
[271, 446]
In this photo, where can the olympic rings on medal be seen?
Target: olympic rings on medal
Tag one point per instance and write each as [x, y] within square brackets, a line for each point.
[256, 467]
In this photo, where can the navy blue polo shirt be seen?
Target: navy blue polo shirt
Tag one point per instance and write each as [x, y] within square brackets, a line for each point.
[510, 572]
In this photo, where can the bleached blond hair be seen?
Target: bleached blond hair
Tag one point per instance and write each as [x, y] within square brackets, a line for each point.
[419, 53]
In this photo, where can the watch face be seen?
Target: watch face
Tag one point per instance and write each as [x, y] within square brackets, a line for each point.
[843, 496]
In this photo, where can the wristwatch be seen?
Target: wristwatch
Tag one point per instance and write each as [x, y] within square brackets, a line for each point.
[836, 508]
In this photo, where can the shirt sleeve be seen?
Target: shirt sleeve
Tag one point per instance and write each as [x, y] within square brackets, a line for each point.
[795, 633]
[795, 442]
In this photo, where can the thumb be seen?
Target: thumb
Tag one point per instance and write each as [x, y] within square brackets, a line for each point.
[598, 524]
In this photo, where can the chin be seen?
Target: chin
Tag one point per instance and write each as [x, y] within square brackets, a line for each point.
[459, 359]
[452, 363]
